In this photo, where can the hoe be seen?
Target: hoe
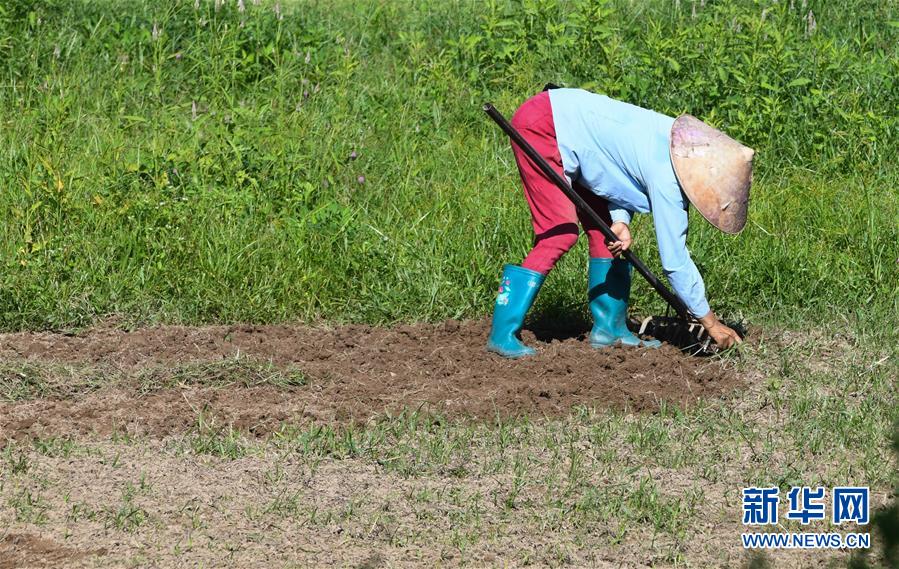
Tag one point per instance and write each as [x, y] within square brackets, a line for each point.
[681, 330]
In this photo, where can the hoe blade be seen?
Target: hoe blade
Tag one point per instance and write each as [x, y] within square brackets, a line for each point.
[689, 336]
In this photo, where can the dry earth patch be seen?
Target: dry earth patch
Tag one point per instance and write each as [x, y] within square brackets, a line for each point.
[155, 380]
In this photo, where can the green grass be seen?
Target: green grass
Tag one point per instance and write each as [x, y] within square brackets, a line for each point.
[203, 173]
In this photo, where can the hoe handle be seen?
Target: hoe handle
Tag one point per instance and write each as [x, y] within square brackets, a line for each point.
[676, 303]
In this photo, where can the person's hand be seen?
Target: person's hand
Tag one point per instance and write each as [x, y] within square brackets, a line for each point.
[623, 233]
[723, 335]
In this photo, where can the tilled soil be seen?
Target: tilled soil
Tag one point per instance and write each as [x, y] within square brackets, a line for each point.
[352, 373]
[26, 550]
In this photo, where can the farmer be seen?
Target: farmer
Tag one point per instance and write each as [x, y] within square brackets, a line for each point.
[621, 159]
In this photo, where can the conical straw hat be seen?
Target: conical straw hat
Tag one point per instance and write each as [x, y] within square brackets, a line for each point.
[714, 170]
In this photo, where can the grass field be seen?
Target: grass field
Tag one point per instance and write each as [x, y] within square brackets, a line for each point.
[204, 173]
[326, 164]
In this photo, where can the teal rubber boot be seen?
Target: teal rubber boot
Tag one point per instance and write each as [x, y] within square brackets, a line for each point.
[517, 291]
[608, 293]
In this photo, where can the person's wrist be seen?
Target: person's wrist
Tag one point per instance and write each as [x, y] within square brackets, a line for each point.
[709, 321]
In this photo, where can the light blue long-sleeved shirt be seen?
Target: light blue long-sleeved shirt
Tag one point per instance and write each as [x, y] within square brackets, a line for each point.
[620, 152]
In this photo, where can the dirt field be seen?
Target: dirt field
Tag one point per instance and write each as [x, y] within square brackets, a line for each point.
[281, 446]
[343, 374]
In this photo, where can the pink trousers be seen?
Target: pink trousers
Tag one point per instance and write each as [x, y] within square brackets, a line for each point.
[554, 216]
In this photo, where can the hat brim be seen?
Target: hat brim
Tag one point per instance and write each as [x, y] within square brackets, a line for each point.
[714, 171]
